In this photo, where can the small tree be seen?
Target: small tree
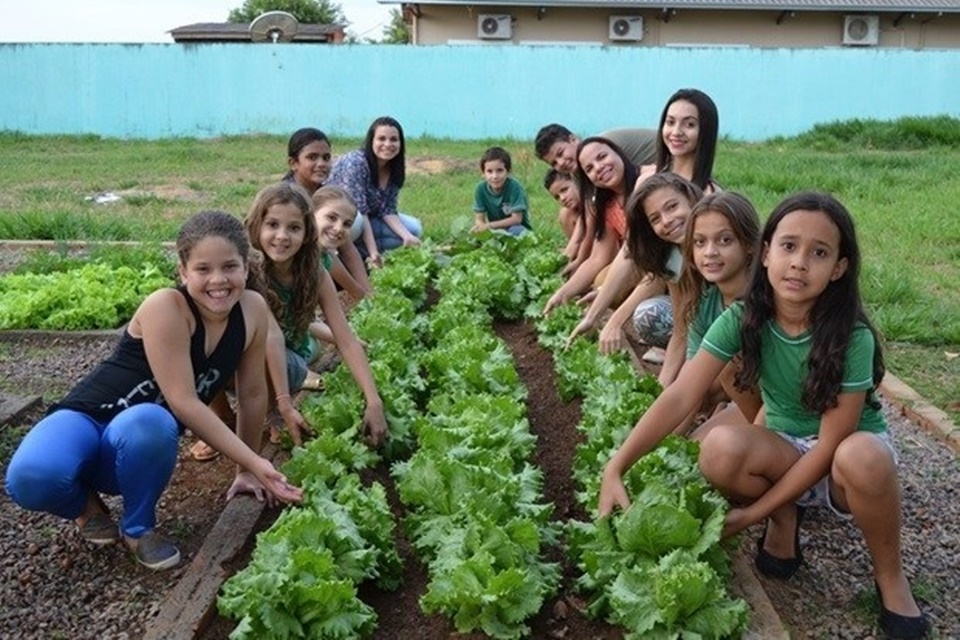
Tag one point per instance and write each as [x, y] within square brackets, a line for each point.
[306, 11]
[397, 31]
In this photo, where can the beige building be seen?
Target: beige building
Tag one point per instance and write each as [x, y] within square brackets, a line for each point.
[908, 24]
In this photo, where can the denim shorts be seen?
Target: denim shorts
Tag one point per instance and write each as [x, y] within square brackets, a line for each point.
[297, 365]
[819, 494]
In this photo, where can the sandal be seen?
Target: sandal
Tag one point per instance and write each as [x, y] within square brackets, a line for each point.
[312, 382]
[780, 568]
[202, 452]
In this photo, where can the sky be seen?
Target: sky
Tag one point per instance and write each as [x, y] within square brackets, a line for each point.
[145, 20]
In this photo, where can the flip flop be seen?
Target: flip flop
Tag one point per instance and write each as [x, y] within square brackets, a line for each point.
[312, 383]
[202, 452]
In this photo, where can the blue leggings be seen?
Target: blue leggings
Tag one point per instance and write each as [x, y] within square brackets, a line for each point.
[68, 455]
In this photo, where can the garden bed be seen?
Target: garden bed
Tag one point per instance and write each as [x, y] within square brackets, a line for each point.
[55, 585]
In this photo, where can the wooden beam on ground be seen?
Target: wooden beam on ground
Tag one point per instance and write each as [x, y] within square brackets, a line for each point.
[12, 407]
[190, 606]
[188, 609]
[765, 623]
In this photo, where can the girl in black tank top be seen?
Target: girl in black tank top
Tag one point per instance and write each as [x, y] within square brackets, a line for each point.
[116, 432]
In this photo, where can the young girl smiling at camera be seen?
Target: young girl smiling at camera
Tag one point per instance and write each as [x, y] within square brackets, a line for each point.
[282, 226]
[117, 431]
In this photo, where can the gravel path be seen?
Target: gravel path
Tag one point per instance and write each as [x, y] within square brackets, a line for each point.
[53, 585]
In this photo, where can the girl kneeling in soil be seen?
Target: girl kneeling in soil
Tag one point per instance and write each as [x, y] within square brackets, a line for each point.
[282, 226]
[116, 432]
[657, 216]
[804, 338]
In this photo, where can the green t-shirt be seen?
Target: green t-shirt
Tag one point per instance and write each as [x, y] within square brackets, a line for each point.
[783, 369]
[708, 309]
[498, 206]
[303, 344]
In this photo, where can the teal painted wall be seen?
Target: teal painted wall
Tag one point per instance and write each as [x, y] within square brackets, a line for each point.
[470, 92]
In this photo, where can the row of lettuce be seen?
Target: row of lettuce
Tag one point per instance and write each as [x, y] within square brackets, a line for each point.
[460, 449]
[57, 290]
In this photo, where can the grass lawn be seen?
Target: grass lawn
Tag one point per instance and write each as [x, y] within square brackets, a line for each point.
[900, 180]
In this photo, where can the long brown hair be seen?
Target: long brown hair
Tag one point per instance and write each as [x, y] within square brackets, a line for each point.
[647, 250]
[306, 262]
[745, 223]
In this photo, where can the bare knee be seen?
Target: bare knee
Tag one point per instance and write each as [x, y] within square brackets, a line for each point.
[865, 462]
[723, 451]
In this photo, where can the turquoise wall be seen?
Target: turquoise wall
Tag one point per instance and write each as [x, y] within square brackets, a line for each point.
[162, 90]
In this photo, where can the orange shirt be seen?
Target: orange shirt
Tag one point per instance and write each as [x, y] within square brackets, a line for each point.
[615, 219]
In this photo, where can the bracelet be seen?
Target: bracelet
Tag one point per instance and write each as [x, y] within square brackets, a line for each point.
[282, 396]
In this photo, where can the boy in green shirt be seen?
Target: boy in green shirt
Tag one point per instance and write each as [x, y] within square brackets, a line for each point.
[499, 202]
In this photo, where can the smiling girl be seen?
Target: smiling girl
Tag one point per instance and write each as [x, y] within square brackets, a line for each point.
[804, 338]
[373, 176]
[689, 126]
[117, 431]
[309, 162]
[606, 177]
[282, 226]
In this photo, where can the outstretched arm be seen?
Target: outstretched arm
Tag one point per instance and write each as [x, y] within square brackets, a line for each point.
[351, 350]
[162, 323]
[276, 359]
[350, 261]
[666, 413]
[582, 279]
[676, 352]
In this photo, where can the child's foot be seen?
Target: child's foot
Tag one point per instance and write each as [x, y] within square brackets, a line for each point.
[899, 626]
[153, 551]
[313, 382]
[202, 452]
[783, 565]
[654, 355]
[95, 525]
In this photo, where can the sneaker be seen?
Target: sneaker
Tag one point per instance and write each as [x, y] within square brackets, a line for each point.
[100, 530]
[654, 355]
[156, 552]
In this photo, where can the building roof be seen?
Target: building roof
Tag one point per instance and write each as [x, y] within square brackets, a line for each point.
[890, 6]
[240, 32]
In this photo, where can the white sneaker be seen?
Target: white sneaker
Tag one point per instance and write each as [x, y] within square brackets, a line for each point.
[654, 355]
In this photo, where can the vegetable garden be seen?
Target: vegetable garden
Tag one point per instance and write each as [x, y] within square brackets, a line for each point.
[461, 456]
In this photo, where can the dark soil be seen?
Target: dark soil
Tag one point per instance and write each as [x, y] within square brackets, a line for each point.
[399, 613]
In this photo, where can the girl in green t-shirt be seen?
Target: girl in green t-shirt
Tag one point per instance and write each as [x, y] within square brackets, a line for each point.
[718, 253]
[804, 338]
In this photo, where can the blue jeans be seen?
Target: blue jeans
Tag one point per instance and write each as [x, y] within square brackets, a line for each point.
[68, 455]
[385, 237]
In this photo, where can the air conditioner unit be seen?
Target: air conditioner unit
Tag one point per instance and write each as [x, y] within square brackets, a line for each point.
[626, 28]
[494, 26]
[861, 30]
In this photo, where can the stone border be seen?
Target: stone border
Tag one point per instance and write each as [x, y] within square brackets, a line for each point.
[918, 410]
